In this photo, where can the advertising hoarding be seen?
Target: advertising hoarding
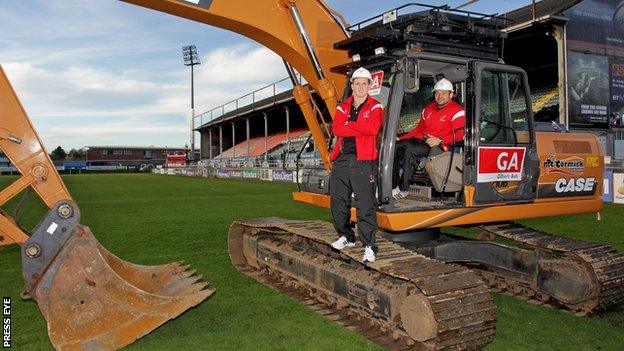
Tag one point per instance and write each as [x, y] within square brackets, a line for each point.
[596, 23]
[101, 168]
[282, 175]
[588, 88]
[617, 91]
[236, 173]
[596, 82]
[607, 188]
[223, 173]
[266, 174]
[618, 188]
[251, 173]
[75, 165]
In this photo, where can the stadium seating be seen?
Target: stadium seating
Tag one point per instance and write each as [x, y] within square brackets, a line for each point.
[256, 145]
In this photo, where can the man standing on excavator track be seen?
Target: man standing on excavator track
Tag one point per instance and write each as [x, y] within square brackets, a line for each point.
[354, 169]
[441, 127]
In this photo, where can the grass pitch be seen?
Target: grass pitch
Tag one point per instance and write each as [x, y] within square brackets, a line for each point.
[151, 219]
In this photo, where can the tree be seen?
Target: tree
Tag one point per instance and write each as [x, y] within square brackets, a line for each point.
[58, 154]
[77, 155]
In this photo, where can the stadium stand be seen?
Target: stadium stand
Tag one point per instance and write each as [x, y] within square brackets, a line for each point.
[256, 145]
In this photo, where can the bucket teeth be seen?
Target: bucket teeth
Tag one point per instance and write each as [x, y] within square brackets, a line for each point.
[188, 273]
[111, 302]
[199, 286]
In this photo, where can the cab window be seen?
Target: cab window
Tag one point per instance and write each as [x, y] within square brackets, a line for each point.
[504, 113]
[413, 104]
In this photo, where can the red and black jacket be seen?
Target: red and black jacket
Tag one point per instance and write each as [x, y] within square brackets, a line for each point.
[364, 129]
[441, 123]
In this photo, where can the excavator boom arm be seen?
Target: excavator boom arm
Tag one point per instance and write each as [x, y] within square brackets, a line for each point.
[23, 147]
[303, 33]
[271, 23]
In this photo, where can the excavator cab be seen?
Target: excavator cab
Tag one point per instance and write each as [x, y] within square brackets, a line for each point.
[498, 122]
[496, 162]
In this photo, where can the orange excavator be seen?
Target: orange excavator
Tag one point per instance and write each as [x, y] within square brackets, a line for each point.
[425, 290]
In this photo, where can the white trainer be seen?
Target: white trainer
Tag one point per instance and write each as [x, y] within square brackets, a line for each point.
[398, 194]
[369, 254]
[395, 192]
[341, 243]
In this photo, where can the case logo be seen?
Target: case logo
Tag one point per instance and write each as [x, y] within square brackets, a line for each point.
[575, 185]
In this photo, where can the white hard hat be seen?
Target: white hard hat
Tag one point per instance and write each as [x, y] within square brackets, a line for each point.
[443, 84]
[361, 73]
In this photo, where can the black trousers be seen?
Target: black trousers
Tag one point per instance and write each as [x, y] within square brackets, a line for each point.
[348, 176]
[408, 154]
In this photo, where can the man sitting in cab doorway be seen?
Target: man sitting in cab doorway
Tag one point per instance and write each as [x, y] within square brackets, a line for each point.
[441, 122]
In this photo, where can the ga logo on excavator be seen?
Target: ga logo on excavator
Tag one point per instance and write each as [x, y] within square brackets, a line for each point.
[500, 164]
[375, 87]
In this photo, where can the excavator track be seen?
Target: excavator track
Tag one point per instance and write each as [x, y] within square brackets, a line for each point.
[402, 301]
[601, 265]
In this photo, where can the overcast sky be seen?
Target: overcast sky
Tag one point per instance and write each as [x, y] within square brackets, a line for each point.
[104, 72]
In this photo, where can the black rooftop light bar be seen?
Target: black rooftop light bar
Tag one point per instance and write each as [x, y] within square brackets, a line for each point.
[435, 29]
[442, 8]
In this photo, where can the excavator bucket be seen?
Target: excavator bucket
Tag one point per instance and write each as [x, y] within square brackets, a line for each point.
[93, 300]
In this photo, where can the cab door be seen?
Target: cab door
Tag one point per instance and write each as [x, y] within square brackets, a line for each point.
[505, 164]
